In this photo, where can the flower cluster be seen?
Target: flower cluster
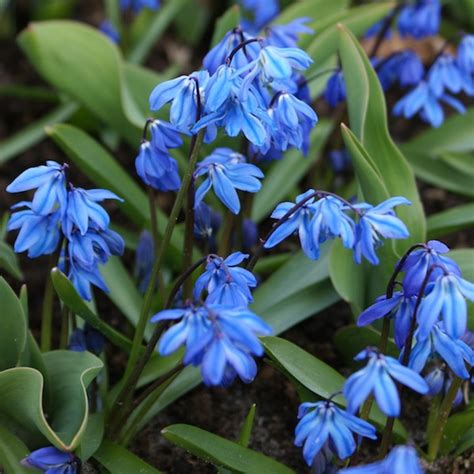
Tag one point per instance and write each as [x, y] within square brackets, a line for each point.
[61, 215]
[431, 304]
[328, 217]
[52, 461]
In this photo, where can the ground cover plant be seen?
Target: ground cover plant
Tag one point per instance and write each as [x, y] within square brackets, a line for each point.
[235, 237]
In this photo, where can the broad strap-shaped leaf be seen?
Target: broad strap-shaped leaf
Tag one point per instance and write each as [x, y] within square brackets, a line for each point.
[9, 261]
[12, 451]
[456, 428]
[70, 297]
[451, 220]
[222, 452]
[22, 397]
[93, 436]
[13, 329]
[315, 375]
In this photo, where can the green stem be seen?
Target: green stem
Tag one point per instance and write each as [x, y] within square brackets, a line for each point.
[47, 315]
[64, 336]
[225, 243]
[134, 366]
[188, 241]
[386, 437]
[444, 411]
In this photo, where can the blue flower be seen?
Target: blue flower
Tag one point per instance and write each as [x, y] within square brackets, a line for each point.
[83, 277]
[206, 225]
[376, 28]
[421, 19]
[263, 11]
[227, 171]
[86, 339]
[335, 89]
[445, 74]
[286, 36]
[52, 461]
[39, 234]
[249, 234]
[222, 340]
[452, 351]
[110, 31]
[325, 424]
[405, 67]
[374, 223]
[440, 381]
[340, 160]
[83, 211]
[219, 53]
[49, 182]
[423, 100]
[399, 307]
[400, 459]
[376, 377]
[137, 5]
[182, 94]
[226, 283]
[165, 136]
[465, 56]
[157, 168]
[299, 220]
[144, 258]
[430, 256]
[446, 299]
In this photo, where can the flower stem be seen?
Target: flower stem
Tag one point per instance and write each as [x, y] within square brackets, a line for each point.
[444, 411]
[188, 240]
[134, 365]
[47, 315]
[225, 243]
[156, 238]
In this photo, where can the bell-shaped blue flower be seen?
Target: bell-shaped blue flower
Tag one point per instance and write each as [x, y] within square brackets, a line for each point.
[377, 378]
[400, 459]
[340, 160]
[454, 352]
[138, 5]
[421, 19]
[405, 67]
[446, 299]
[376, 222]
[335, 89]
[182, 93]
[465, 56]
[324, 423]
[440, 381]
[225, 282]
[49, 182]
[39, 234]
[110, 31]
[430, 256]
[86, 339]
[206, 225]
[286, 36]
[422, 100]
[157, 168]
[52, 461]
[227, 171]
[399, 307]
[263, 11]
[144, 258]
[444, 74]
[222, 340]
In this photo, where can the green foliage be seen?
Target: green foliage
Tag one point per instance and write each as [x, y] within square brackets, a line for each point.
[12, 451]
[449, 221]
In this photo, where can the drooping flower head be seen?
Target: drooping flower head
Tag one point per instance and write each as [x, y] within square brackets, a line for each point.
[444, 75]
[52, 461]
[263, 11]
[86, 339]
[377, 378]
[221, 340]
[421, 19]
[465, 54]
[138, 5]
[144, 258]
[439, 381]
[335, 89]
[325, 426]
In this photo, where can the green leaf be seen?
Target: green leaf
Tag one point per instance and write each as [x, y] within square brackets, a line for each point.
[221, 452]
[463, 162]
[456, 427]
[246, 430]
[82, 62]
[97, 164]
[313, 9]
[35, 132]
[229, 20]
[451, 220]
[22, 397]
[357, 19]
[286, 173]
[12, 451]
[69, 296]
[93, 436]
[9, 261]
[119, 460]
[13, 329]
[315, 375]
[466, 442]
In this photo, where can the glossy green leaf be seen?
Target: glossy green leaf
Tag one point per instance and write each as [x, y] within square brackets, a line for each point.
[222, 452]
[69, 296]
[452, 220]
[246, 430]
[35, 132]
[97, 163]
[12, 451]
[119, 460]
[456, 427]
[82, 62]
[13, 329]
[22, 397]
[358, 20]
[286, 173]
[93, 436]
[315, 375]
[229, 20]
[9, 261]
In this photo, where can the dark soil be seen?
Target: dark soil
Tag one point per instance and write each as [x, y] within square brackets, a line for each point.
[220, 411]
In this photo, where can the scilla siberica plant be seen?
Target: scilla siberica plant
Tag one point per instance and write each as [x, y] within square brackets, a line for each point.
[205, 304]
